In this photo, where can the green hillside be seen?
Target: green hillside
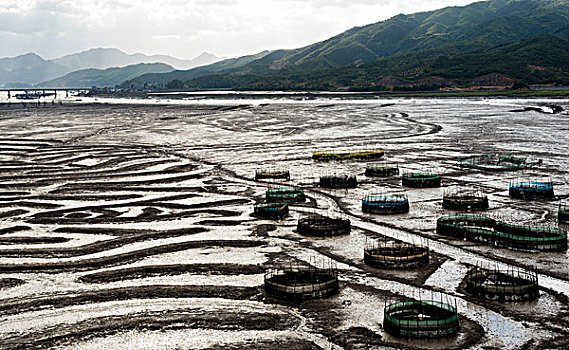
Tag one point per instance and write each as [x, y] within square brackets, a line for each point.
[455, 29]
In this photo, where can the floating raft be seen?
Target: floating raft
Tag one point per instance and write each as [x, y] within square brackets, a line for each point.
[337, 155]
[267, 174]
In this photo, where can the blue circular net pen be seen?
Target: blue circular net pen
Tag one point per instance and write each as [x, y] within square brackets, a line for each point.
[385, 204]
[531, 190]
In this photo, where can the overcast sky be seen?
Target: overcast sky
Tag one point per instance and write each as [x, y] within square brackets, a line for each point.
[185, 28]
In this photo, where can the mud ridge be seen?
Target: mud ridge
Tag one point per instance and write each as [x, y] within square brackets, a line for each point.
[65, 334]
[120, 259]
[170, 270]
[15, 306]
[97, 247]
[31, 240]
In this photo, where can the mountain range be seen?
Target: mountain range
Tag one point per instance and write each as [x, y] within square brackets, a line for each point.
[493, 43]
[505, 42]
[102, 58]
[31, 69]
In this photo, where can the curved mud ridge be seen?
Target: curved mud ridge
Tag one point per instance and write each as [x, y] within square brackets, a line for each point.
[121, 259]
[226, 320]
[96, 247]
[12, 306]
[117, 275]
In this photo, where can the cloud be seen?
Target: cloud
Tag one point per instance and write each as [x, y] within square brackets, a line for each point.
[166, 36]
[185, 28]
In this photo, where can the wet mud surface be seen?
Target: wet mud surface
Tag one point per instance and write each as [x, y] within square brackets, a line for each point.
[131, 226]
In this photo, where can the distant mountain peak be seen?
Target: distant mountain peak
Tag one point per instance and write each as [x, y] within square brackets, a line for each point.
[103, 57]
[206, 54]
[31, 69]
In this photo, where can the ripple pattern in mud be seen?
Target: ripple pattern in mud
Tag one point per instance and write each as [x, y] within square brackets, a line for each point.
[121, 222]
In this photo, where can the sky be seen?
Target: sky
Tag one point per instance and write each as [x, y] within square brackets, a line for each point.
[186, 28]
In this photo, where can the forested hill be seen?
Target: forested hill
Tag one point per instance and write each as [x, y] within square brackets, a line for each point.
[491, 42]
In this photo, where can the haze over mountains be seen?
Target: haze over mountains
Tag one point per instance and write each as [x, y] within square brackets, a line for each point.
[102, 58]
[31, 69]
[105, 77]
[446, 47]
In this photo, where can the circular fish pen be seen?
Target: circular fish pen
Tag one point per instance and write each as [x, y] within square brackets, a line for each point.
[502, 285]
[272, 174]
[563, 213]
[381, 170]
[273, 211]
[385, 204]
[421, 319]
[531, 190]
[347, 155]
[285, 195]
[497, 162]
[323, 226]
[338, 181]
[395, 255]
[501, 234]
[421, 180]
[465, 199]
[301, 282]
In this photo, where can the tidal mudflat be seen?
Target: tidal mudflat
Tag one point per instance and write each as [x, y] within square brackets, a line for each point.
[132, 226]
